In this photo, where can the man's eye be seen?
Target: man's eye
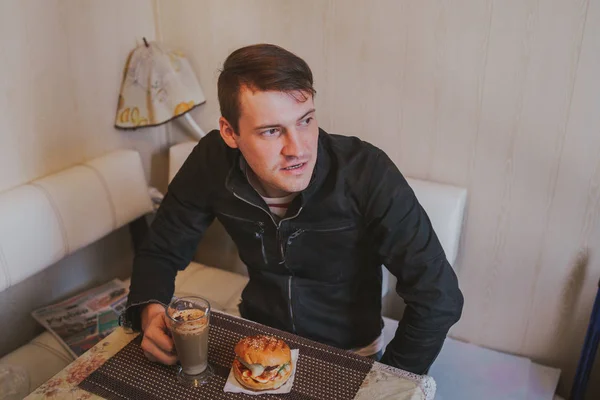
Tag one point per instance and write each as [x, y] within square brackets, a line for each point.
[306, 121]
[270, 132]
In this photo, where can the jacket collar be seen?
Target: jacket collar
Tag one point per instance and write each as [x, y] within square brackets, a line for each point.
[237, 182]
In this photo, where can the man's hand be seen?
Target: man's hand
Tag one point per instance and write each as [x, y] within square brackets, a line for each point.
[157, 343]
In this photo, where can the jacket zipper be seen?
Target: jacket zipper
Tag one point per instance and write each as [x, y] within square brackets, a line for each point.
[340, 228]
[278, 226]
[260, 235]
[291, 276]
[301, 231]
[290, 303]
[289, 241]
[254, 205]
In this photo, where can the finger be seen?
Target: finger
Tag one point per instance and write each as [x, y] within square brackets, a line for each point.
[155, 354]
[162, 342]
[150, 357]
[157, 333]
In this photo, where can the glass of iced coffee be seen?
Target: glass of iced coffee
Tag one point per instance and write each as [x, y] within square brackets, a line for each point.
[188, 319]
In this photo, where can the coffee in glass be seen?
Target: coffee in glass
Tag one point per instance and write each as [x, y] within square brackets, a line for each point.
[188, 319]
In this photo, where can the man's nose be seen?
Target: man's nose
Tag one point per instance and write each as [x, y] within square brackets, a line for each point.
[293, 145]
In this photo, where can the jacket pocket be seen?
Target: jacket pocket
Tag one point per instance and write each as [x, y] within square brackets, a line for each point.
[332, 313]
[327, 252]
[249, 237]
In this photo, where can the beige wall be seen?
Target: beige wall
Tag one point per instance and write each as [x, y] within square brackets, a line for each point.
[501, 97]
[60, 75]
[62, 63]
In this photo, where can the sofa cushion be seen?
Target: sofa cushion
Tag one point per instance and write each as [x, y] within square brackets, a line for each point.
[42, 358]
[14, 382]
[107, 193]
[223, 289]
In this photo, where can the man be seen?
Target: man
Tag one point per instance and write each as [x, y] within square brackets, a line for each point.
[314, 216]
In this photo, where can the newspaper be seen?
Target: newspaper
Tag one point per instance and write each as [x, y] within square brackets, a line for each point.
[80, 322]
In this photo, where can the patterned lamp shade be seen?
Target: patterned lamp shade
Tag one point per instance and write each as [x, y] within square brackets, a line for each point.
[158, 85]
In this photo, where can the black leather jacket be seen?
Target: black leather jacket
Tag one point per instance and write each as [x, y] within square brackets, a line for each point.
[317, 272]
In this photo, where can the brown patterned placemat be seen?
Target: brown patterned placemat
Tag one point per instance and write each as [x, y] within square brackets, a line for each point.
[322, 372]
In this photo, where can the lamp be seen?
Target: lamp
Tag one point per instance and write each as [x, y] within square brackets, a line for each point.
[158, 85]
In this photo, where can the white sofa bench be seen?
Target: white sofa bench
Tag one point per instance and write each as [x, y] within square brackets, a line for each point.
[107, 193]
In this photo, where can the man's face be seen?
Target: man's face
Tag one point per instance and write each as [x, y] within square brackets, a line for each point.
[278, 137]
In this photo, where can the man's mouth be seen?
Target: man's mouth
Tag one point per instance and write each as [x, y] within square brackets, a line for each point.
[295, 166]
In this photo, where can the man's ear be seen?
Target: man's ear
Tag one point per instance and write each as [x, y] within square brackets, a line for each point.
[227, 133]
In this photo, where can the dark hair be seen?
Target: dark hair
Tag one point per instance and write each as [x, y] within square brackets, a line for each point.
[261, 67]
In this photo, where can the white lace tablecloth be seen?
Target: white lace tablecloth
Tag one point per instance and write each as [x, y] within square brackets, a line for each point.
[382, 382]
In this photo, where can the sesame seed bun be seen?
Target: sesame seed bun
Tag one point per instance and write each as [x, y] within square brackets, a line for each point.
[267, 351]
[263, 350]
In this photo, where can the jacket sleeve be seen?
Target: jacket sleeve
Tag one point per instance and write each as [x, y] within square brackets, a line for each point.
[182, 218]
[408, 246]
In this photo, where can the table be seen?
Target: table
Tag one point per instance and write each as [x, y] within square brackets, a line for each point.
[382, 382]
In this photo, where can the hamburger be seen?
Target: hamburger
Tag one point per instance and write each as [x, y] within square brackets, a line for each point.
[262, 362]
